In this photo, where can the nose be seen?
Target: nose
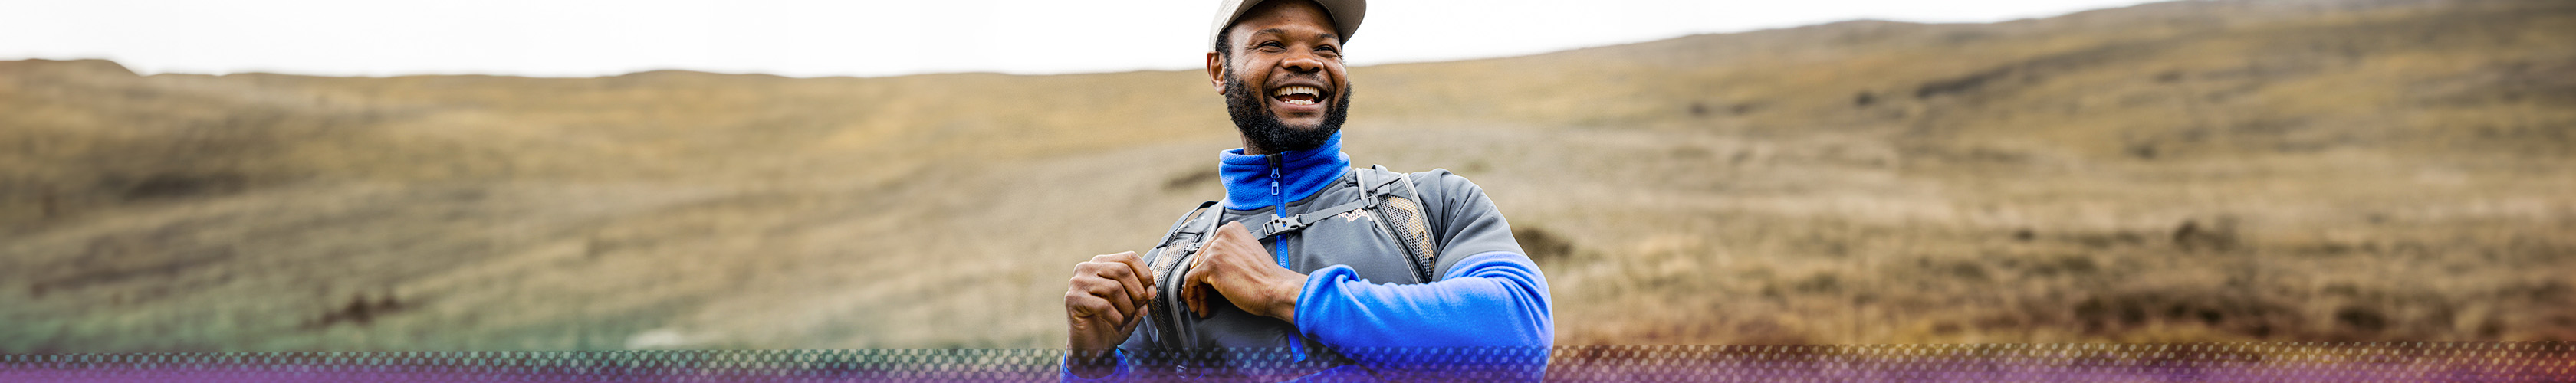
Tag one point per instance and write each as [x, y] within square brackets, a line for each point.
[1306, 62]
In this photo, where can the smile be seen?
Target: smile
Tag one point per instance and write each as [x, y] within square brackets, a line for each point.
[1298, 95]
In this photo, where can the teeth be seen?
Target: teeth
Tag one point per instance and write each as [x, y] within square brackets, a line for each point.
[1305, 90]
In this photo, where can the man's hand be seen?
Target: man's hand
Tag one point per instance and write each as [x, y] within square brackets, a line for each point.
[1234, 264]
[1109, 296]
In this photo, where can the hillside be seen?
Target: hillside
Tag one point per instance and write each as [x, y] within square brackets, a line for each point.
[2183, 171]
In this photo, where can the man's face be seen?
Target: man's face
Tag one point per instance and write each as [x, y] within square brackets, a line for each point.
[1284, 81]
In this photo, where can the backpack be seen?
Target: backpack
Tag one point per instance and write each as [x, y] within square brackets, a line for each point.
[1386, 195]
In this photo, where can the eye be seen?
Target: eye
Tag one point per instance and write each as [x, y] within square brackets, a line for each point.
[1270, 45]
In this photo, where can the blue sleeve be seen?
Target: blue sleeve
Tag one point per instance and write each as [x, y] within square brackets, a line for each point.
[1118, 375]
[1492, 300]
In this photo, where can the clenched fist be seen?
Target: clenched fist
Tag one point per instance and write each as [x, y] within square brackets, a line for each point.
[1106, 300]
[1234, 264]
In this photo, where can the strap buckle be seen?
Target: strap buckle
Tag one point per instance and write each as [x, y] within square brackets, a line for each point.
[1285, 224]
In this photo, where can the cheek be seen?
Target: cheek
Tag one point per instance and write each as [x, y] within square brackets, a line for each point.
[1255, 76]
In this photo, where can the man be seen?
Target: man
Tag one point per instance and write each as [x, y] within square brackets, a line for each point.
[1321, 291]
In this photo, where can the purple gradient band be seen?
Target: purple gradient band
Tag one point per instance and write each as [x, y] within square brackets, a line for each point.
[2206, 362]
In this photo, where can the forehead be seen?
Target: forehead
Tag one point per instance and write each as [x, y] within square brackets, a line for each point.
[1289, 16]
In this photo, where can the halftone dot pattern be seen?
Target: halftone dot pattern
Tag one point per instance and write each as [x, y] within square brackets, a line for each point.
[2094, 362]
[2078, 362]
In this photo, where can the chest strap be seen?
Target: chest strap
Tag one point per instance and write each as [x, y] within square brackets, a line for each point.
[1267, 226]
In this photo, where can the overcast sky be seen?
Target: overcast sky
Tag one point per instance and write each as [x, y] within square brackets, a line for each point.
[853, 38]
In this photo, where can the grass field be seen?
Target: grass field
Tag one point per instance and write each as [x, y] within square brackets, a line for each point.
[2185, 171]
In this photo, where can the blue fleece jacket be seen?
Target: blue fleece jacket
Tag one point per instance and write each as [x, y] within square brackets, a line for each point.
[1492, 299]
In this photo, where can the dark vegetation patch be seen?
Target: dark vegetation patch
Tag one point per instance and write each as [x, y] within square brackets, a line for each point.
[1961, 84]
[2054, 265]
[1966, 271]
[2228, 311]
[2037, 69]
[2362, 319]
[2106, 240]
[1543, 246]
[360, 310]
[2218, 235]
[179, 184]
[1201, 177]
[1820, 283]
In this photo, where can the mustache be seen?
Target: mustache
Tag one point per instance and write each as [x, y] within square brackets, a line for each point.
[1275, 81]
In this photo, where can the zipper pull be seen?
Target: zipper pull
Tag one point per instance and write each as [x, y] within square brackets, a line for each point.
[1278, 245]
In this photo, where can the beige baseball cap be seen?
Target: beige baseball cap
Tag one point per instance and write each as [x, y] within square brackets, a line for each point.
[1346, 16]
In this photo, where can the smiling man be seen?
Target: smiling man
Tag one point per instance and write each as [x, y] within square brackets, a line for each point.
[1330, 263]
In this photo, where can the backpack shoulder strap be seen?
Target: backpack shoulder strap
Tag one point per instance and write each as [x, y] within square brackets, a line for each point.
[1399, 204]
[1185, 237]
[1180, 225]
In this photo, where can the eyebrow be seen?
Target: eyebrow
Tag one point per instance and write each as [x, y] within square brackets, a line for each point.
[1278, 31]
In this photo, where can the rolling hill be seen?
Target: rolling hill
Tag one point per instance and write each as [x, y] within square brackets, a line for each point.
[2180, 171]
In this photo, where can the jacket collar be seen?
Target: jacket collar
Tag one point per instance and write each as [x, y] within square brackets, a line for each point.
[1249, 182]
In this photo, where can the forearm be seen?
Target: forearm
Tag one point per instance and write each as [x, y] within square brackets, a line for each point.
[1488, 300]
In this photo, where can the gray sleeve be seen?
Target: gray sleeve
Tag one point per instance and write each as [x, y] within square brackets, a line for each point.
[1462, 220]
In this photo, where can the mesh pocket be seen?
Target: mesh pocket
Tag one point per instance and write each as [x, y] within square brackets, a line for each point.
[1405, 217]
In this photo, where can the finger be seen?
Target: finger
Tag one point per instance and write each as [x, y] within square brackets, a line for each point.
[1138, 278]
[1194, 290]
[1123, 274]
[1117, 296]
[1189, 294]
[1133, 320]
[1090, 308]
[1234, 229]
[1215, 247]
[1234, 238]
[1107, 290]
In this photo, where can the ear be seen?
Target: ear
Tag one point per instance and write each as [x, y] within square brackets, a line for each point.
[1216, 71]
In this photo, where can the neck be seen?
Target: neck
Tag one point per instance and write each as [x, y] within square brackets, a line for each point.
[1250, 149]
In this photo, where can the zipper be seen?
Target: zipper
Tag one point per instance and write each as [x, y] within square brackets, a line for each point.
[1278, 244]
[1279, 250]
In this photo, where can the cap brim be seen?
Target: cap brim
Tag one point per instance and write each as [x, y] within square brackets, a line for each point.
[1346, 16]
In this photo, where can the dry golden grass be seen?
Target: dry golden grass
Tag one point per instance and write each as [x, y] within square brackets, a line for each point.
[2292, 170]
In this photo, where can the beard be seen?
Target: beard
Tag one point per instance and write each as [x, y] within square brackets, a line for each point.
[1262, 128]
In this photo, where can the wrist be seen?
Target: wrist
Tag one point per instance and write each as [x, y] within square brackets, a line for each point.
[1286, 289]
